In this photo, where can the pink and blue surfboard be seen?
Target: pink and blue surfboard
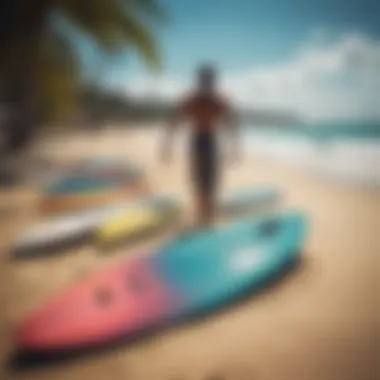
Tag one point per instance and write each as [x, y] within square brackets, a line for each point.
[100, 168]
[92, 175]
[84, 184]
[189, 275]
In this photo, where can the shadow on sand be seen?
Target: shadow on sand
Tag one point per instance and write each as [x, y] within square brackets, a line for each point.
[20, 361]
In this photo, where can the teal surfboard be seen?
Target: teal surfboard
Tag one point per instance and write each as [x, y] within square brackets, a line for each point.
[189, 275]
[210, 267]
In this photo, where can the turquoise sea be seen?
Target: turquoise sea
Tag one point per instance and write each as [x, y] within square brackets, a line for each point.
[345, 151]
[348, 152]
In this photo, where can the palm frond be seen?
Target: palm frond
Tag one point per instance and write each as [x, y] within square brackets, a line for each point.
[98, 19]
[113, 25]
[140, 37]
[150, 8]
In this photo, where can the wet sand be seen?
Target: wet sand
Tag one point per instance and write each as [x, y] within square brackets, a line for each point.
[317, 323]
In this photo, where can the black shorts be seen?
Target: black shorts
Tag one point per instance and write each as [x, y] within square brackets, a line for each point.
[204, 161]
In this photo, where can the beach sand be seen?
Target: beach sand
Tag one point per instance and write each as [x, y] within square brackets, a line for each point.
[317, 323]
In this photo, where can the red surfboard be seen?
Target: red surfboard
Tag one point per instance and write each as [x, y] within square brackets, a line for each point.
[103, 308]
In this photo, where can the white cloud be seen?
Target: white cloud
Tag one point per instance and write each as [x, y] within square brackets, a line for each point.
[339, 79]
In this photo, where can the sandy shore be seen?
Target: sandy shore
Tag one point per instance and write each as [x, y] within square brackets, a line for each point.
[319, 323]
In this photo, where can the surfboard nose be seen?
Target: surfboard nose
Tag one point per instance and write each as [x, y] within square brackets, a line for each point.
[117, 302]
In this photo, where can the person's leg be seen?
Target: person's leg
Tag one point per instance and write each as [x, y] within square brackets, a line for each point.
[205, 185]
[205, 212]
[203, 170]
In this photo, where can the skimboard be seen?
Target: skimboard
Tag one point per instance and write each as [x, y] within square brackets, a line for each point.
[190, 275]
[247, 200]
[68, 230]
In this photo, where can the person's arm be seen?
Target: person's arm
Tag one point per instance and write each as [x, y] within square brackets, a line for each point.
[232, 129]
[170, 131]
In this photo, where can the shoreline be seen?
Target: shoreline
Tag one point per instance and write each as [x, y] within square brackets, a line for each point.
[347, 161]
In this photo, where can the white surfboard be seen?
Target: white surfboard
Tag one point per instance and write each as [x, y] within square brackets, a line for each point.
[62, 232]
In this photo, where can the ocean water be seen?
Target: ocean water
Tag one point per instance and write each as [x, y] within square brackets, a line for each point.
[348, 152]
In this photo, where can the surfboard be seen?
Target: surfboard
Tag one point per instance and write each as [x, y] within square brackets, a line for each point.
[249, 199]
[99, 167]
[241, 201]
[187, 276]
[72, 229]
[89, 184]
[80, 184]
[132, 225]
[120, 220]
[72, 202]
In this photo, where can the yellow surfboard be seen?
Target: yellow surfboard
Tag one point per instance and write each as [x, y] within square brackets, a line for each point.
[130, 224]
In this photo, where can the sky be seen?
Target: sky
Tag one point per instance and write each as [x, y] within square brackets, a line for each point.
[317, 58]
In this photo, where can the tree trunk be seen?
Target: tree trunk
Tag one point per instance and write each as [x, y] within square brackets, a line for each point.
[20, 51]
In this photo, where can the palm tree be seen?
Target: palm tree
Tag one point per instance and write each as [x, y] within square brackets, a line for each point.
[41, 66]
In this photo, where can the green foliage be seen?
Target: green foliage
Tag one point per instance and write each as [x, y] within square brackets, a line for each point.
[111, 26]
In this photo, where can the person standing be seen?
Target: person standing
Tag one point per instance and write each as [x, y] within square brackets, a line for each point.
[209, 115]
